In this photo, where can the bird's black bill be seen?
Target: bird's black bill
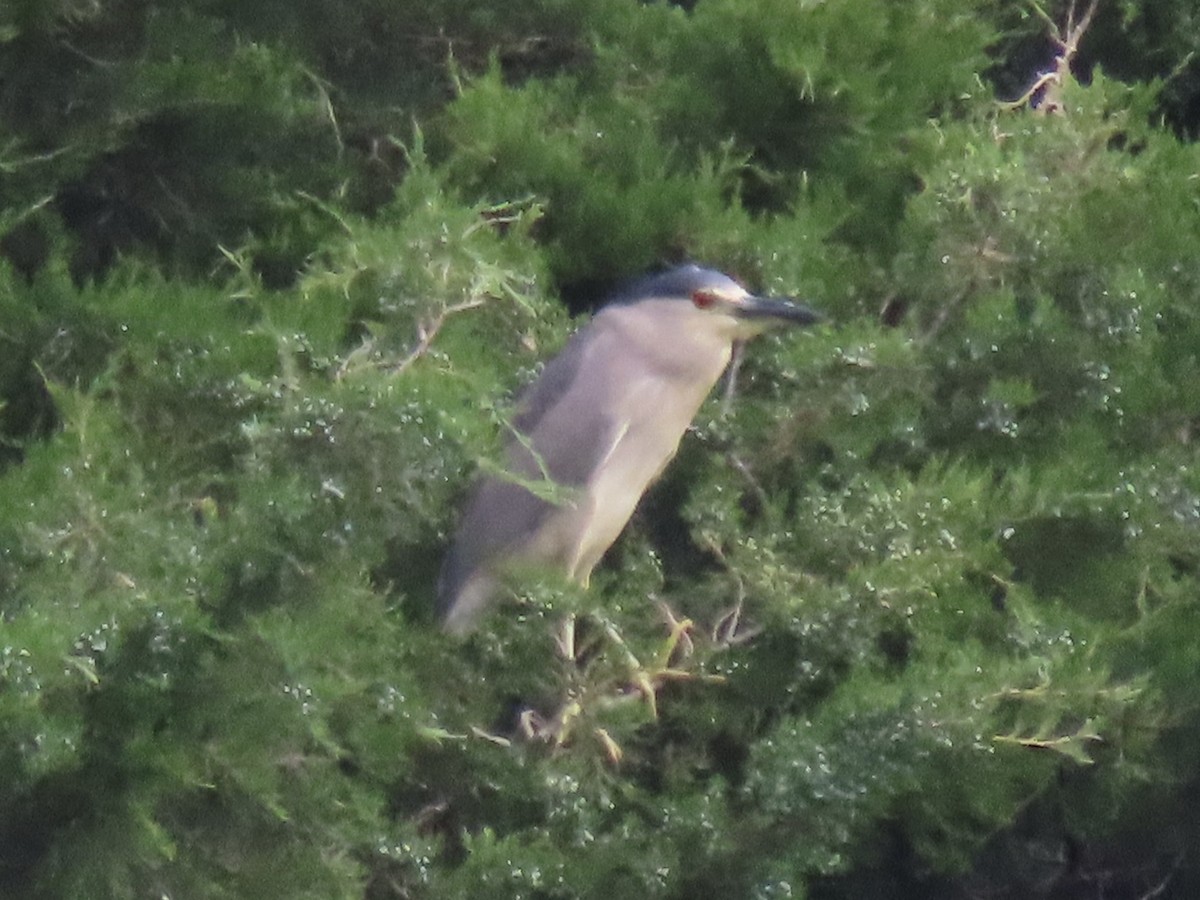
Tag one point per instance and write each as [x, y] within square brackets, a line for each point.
[778, 309]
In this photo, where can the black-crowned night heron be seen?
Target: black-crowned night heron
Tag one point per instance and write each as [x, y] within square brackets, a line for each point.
[598, 426]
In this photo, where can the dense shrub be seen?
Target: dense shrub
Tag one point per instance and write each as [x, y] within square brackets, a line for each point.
[911, 614]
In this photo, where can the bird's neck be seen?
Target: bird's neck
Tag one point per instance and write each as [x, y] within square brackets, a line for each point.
[667, 336]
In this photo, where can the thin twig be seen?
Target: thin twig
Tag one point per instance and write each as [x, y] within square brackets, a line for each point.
[731, 375]
[1048, 86]
[427, 332]
[739, 465]
[1161, 887]
[947, 310]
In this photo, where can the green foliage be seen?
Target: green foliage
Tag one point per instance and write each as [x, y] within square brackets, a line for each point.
[168, 129]
[912, 612]
[751, 101]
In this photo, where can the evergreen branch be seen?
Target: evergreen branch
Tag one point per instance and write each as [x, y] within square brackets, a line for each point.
[426, 332]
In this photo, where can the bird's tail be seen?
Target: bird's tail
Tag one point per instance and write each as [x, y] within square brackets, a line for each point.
[463, 592]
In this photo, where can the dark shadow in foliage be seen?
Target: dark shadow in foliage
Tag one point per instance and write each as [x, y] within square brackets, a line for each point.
[410, 571]
[106, 217]
[27, 410]
[892, 871]
[49, 336]
[584, 296]
[26, 246]
[660, 515]
[1046, 854]
[1136, 42]
[1081, 545]
[32, 820]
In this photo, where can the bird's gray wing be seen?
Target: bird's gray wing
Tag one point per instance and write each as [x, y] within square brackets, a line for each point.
[498, 515]
[563, 431]
[564, 423]
[553, 382]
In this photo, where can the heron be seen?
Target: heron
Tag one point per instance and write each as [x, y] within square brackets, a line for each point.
[597, 427]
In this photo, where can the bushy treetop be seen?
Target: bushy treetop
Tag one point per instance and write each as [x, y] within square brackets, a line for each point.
[912, 613]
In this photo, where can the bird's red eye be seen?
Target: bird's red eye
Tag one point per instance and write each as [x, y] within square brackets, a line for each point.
[703, 299]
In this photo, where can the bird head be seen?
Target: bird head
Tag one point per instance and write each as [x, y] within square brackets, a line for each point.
[710, 299]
